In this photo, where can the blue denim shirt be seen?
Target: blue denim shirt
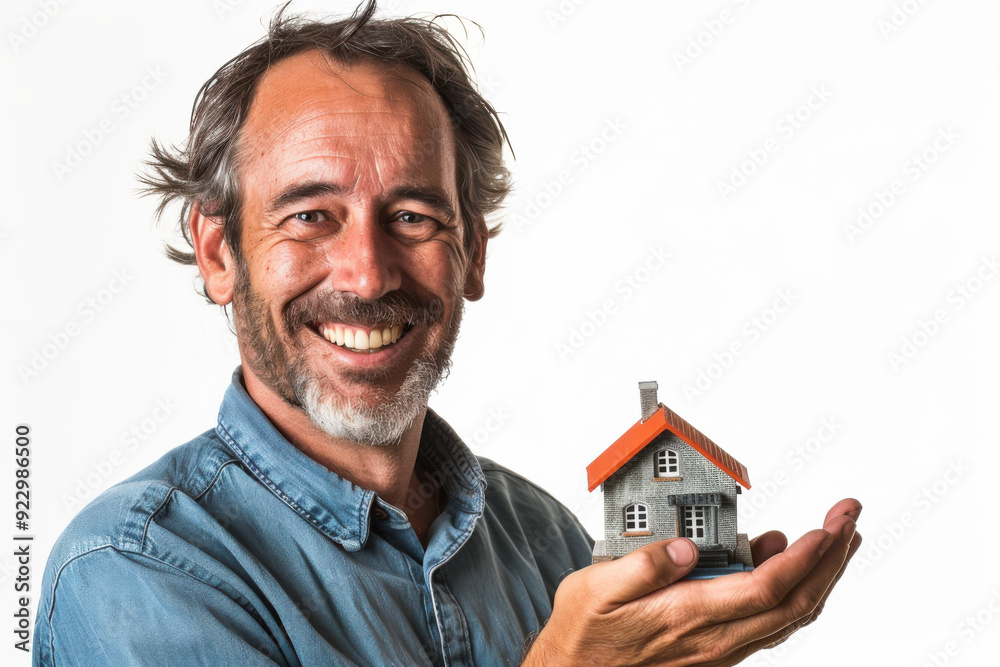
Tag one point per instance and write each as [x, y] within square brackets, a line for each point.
[237, 548]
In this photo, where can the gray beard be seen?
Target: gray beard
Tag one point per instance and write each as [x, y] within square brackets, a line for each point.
[382, 424]
[379, 425]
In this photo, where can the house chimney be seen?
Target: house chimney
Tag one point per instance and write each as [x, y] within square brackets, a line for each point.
[647, 399]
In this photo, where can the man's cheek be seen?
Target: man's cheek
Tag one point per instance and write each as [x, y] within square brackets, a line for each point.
[430, 265]
[454, 248]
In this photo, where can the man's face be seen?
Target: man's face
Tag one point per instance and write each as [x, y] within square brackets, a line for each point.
[349, 292]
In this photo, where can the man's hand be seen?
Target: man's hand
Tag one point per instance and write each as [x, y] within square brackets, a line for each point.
[634, 611]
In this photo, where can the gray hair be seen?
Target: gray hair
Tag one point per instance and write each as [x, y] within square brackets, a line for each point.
[203, 170]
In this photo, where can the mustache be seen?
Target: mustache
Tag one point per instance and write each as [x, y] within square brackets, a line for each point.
[397, 307]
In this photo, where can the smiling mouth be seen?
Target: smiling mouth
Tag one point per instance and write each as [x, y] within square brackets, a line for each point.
[360, 339]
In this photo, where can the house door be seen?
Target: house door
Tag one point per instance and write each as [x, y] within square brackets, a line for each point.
[694, 523]
[701, 524]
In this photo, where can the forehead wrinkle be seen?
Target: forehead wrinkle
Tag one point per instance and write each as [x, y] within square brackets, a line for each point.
[305, 114]
[277, 132]
[380, 154]
[366, 135]
[286, 135]
[396, 145]
[323, 128]
[375, 155]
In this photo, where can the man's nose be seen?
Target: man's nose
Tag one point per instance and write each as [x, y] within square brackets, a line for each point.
[365, 262]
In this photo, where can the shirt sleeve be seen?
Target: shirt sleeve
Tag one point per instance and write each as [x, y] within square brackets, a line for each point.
[110, 607]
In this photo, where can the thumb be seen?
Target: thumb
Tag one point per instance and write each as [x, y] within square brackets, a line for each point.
[645, 570]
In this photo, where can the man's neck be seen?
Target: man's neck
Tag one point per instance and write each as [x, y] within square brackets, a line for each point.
[389, 471]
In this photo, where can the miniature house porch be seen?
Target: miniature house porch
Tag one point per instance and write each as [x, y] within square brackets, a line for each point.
[663, 478]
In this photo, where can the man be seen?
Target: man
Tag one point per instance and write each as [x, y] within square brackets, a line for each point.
[335, 191]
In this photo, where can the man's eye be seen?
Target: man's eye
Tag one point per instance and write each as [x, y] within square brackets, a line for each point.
[311, 216]
[411, 218]
[411, 226]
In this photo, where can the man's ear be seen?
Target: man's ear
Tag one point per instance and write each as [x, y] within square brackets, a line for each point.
[474, 286]
[215, 261]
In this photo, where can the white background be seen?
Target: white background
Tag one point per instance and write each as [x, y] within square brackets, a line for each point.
[558, 377]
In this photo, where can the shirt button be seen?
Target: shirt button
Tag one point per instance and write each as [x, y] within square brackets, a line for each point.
[379, 513]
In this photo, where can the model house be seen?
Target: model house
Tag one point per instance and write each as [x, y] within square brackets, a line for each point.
[663, 478]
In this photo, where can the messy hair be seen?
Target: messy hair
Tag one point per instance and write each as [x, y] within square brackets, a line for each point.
[203, 170]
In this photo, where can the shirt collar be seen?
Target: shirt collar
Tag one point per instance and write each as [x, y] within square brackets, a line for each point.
[334, 505]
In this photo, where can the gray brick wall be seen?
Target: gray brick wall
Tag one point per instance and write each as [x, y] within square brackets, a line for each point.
[633, 483]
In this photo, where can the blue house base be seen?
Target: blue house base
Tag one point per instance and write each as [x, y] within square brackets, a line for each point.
[713, 572]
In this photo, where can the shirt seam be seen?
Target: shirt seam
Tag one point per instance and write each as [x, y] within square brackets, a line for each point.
[215, 478]
[280, 494]
[166, 498]
[438, 617]
[454, 446]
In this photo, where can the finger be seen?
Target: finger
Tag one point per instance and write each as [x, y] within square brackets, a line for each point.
[773, 542]
[803, 604]
[853, 549]
[796, 608]
[784, 633]
[846, 507]
[643, 571]
[853, 510]
[779, 575]
[844, 530]
[766, 545]
[813, 589]
[737, 596]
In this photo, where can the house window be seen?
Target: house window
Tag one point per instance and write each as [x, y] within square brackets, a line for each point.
[694, 522]
[666, 463]
[636, 518]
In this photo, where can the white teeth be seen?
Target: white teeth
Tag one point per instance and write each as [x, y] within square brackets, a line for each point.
[359, 339]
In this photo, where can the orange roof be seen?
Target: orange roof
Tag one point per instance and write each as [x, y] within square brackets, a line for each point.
[644, 432]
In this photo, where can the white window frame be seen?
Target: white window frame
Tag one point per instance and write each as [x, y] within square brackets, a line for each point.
[636, 517]
[693, 514]
[667, 463]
